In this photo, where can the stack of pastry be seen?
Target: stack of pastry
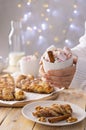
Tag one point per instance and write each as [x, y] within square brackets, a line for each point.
[55, 112]
[7, 89]
[13, 89]
[30, 84]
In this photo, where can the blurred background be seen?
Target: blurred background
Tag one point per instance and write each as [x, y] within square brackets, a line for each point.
[44, 22]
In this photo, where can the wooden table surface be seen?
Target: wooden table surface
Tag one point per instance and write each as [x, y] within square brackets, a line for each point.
[12, 119]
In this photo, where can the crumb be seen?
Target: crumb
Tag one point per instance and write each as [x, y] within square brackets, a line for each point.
[42, 119]
[71, 119]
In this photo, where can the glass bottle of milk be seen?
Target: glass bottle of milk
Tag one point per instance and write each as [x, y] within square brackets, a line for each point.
[16, 43]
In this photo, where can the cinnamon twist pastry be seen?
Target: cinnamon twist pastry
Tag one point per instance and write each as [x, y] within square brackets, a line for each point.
[62, 109]
[41, 87]
[53, 111]
[7, 78]
[8, 91]
[23, 81]
[29, 84]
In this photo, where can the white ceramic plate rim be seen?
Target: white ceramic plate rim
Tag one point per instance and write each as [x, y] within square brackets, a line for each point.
[29, 108]
[31, 96]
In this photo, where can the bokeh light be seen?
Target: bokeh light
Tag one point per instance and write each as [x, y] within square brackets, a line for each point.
[52, 22]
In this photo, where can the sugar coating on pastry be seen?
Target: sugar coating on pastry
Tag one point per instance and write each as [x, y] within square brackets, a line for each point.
[41, 86]
[36, 85]
[23, 81]
[7, 94]
[53, 110]
[19, 95]
[8, 89]
[7, 78]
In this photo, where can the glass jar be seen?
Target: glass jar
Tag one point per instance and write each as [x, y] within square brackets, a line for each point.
[16, 43]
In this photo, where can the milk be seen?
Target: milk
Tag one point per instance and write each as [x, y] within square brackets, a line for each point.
[14, 57]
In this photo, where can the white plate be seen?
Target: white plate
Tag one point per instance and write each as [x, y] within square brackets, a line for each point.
[30, 96]
[29, 108]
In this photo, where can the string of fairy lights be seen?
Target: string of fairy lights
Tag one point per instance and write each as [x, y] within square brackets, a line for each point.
[47, 22]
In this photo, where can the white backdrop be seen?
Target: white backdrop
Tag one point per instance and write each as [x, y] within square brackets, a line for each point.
[45, 22]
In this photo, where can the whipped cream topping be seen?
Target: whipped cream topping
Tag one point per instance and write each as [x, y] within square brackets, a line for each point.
[30, 58]
[59, 54]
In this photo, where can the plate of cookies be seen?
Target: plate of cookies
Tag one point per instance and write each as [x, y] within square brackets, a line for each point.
[23, 88]
[53, 113]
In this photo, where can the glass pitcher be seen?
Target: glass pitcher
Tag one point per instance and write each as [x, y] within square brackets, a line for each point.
[16, 43]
